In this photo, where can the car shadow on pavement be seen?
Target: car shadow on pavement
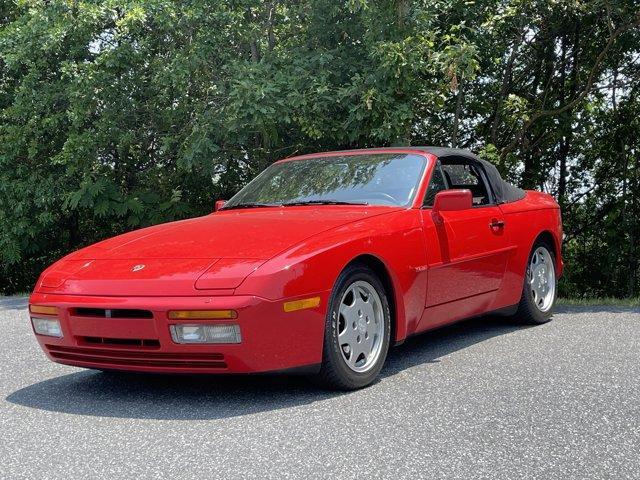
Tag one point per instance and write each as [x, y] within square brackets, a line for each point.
[170, 397]
[429, 347]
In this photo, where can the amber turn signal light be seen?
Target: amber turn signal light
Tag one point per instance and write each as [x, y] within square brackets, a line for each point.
[294, 305]
[202, 314]
[43, 309]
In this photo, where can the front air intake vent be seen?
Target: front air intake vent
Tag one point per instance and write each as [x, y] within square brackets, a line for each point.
[117, 358]
[111, 313]
[121, 342]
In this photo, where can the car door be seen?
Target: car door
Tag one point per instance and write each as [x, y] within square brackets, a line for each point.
[467, 250]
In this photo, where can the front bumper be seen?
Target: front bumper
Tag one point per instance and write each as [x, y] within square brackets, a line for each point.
[272, 340]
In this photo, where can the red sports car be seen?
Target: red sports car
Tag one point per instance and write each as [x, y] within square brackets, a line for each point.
[318, 265]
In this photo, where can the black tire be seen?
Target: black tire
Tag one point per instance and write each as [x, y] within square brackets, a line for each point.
[528, 313]
[334, 371]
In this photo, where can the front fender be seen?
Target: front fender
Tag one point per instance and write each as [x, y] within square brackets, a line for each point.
[314, 265]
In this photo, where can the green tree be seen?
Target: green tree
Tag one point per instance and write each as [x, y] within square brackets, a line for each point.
[116, 114]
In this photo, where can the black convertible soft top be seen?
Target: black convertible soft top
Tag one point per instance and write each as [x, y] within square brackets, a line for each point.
[503, 190]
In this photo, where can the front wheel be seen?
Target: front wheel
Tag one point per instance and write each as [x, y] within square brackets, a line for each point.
[539, 290]
[357, 330]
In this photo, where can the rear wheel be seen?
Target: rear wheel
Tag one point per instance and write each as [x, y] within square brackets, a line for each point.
[539, 291]
[357, 330]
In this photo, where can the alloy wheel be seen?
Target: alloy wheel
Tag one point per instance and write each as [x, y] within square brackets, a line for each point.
[542, 279]
[360, 326]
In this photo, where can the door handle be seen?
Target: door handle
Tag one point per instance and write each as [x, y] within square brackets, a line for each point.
[496, 223]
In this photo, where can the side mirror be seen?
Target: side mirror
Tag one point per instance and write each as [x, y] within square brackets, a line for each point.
[218, 205]
[451, 200]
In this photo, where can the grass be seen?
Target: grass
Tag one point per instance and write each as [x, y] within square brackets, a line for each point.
[588, 302]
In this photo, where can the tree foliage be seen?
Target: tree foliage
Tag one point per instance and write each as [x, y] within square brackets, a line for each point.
[116, 114]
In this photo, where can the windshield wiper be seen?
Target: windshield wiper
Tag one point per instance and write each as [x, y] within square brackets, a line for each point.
[321, 202]
[250, 205]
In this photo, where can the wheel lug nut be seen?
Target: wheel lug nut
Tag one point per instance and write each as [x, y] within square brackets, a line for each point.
[358, 339]
[354, 325]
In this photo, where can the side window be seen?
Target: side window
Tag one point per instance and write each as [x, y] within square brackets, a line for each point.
[437, 184]
[468, 176]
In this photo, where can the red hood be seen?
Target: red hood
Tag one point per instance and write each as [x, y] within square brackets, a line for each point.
[217, 250]
[260, 233]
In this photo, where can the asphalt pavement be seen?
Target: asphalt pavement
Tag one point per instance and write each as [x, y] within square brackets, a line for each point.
[481, 399]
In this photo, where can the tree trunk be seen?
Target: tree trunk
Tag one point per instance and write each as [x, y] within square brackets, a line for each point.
[402, 8]
[271, 18]
[254, 48]
[456, 118]
[634, 230]
[504, 89]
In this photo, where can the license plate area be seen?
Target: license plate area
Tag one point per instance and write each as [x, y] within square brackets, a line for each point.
[113, 328]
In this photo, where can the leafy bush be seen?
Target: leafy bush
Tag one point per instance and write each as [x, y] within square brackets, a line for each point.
[116, 114]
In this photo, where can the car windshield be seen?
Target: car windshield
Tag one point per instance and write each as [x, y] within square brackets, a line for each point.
[374, 179]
